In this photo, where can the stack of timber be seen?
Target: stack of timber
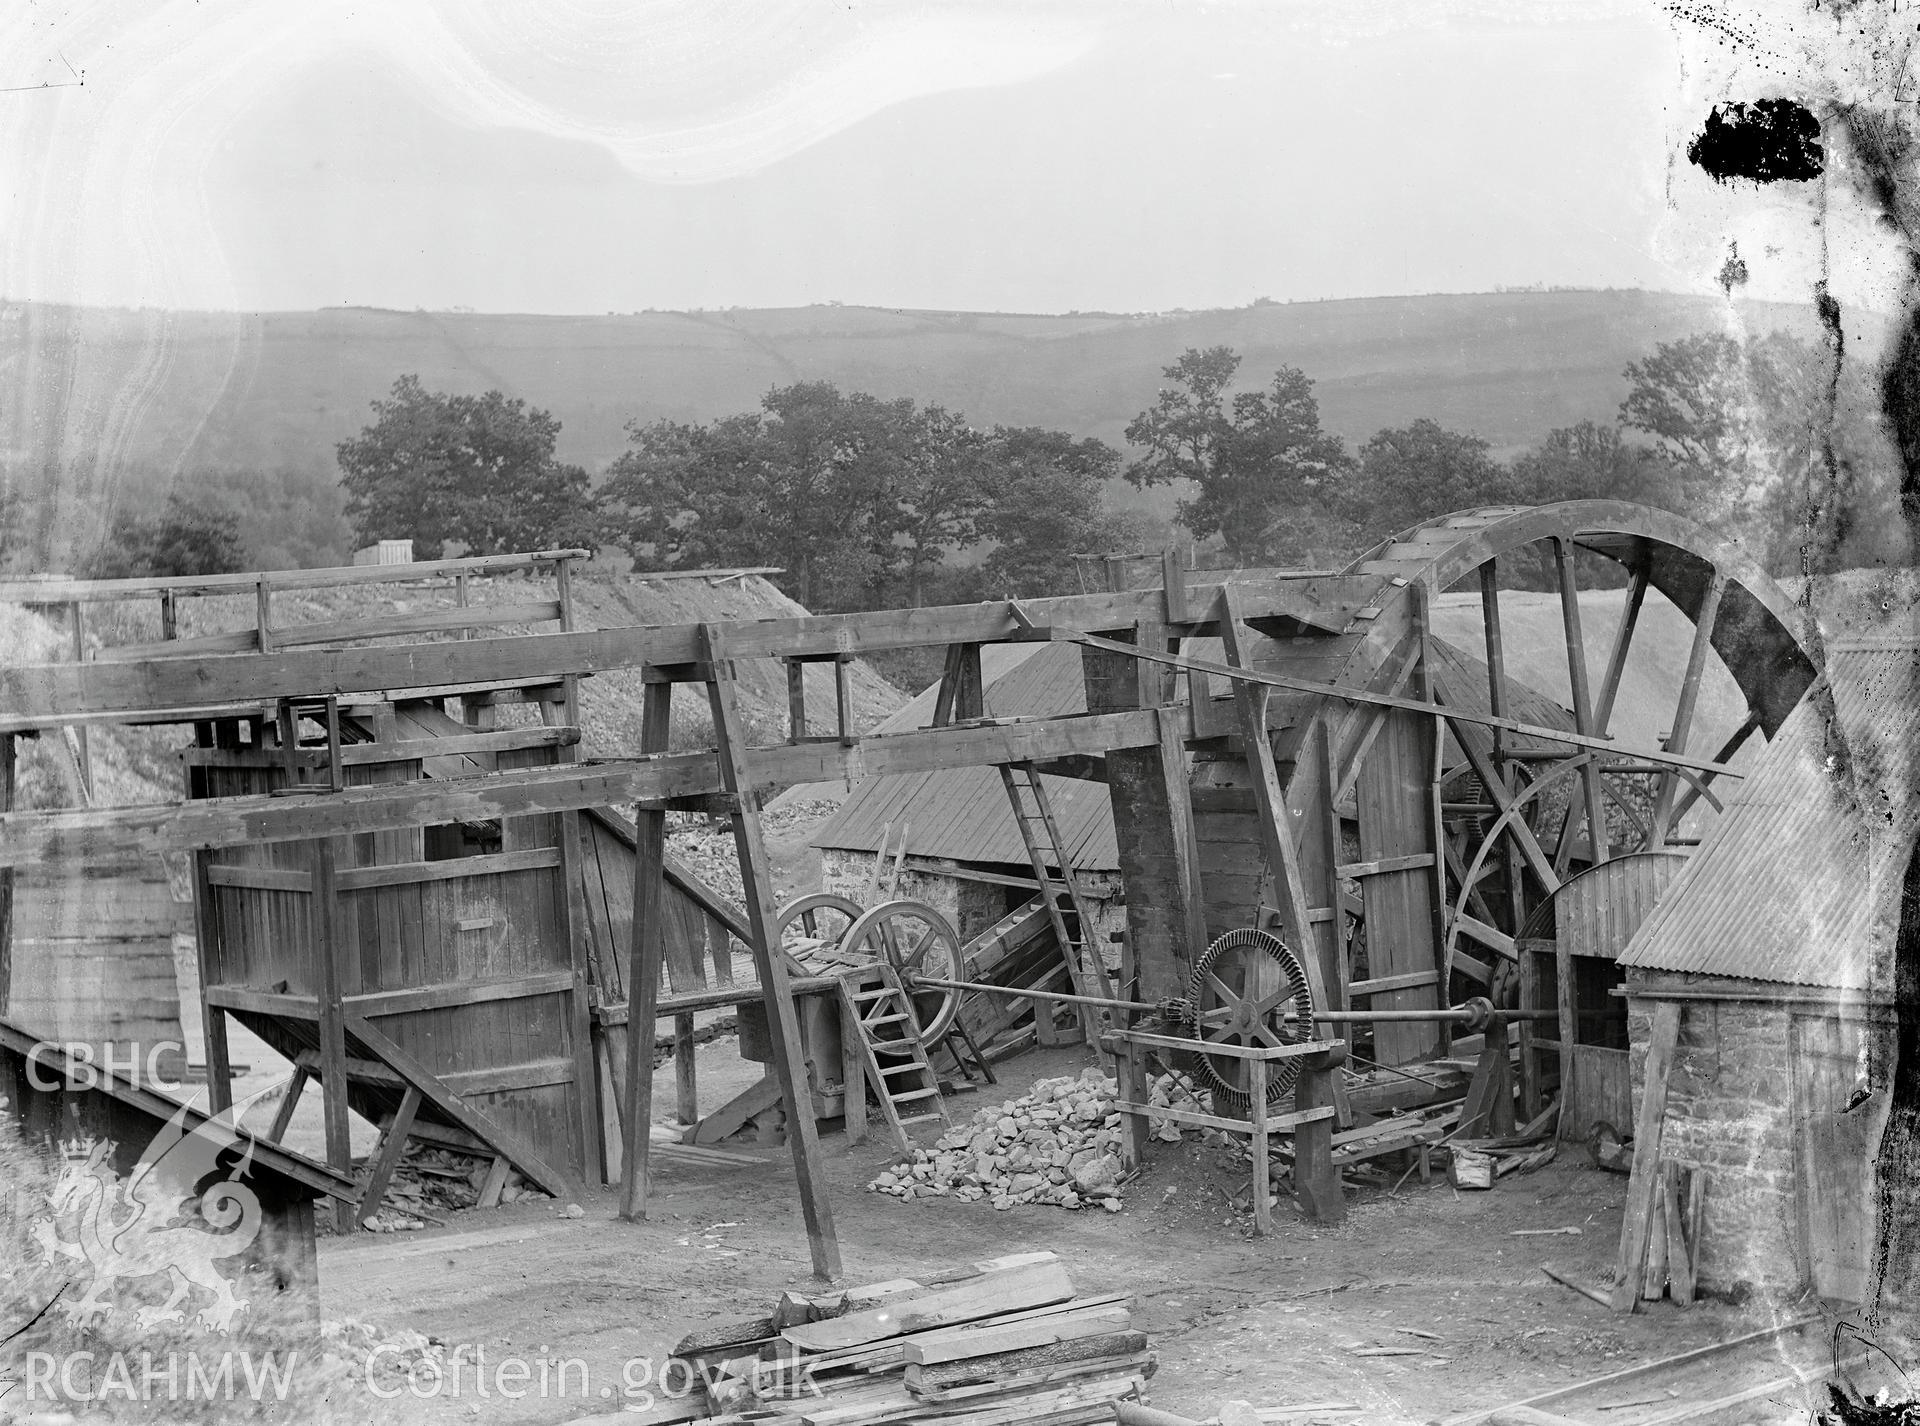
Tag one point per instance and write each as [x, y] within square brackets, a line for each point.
[990, 1344]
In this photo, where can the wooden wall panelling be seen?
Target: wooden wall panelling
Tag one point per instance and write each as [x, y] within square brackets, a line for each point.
[1392, 797]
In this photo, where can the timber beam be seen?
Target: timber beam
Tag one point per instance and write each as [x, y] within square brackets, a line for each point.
[39, 695]
[28, 838]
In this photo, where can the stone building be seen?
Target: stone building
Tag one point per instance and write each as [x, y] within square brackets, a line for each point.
[1779, 942]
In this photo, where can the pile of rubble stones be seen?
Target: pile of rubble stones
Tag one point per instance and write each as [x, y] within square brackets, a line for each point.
[1058, 1144]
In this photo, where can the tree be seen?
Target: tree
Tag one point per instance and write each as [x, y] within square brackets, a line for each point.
[186, 538]
[1590, 462]
[1410, 473]
[1260, 465]
[942, 489]
[477, 470]
[1047, 504]
[1734, 419]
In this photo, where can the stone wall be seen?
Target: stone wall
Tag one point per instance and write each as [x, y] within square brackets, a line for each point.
[1730, 1112]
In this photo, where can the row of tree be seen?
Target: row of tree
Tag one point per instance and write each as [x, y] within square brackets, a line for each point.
[867, 502]
[1752, 438]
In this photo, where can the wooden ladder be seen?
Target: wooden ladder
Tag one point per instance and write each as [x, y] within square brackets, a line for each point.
[905, 1083]
[1059, 891]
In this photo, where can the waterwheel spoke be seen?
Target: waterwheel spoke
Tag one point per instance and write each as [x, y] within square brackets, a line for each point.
[1689, 699]
[1622, 640]
[1596, 810]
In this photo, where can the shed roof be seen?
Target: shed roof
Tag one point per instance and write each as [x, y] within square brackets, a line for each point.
[962, 814]
[1810, 854]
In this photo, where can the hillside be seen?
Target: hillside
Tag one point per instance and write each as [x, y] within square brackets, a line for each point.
[101, 403]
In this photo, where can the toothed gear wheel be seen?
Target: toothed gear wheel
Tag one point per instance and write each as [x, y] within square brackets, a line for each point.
[1256, 980]
[1177, 1013]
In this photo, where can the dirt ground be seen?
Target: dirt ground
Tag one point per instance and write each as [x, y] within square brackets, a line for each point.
[1273, 1321]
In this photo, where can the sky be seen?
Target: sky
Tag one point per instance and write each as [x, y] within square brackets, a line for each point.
[1041, 155]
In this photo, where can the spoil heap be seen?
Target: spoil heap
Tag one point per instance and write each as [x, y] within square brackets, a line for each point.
[1058, 1144]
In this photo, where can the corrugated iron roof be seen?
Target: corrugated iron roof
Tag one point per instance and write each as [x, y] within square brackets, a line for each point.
[1792, 879]
[962, 814]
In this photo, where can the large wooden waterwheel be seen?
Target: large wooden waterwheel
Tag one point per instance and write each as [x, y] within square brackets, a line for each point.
[1424, 844]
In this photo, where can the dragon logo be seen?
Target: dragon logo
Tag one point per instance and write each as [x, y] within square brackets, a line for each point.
[164, 1220]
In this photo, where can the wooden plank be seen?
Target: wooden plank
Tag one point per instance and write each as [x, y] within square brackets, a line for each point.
[1413, 861]
[262, 1002]
[686, 1084]
[991, 1337]
[497, 1079]
[406, 749]
[1648, 1130]
[988, 1294]
[328, 952]
[1276, 1123]
[1380, 984]
[60, 590]
[258, 878]
[449, 869]
[388, 1159]
[466, 992]
[1239, 1052]
[464, 1115]
[733, 1116]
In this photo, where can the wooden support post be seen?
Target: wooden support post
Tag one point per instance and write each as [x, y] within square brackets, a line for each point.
[569, 684]
[1531, 1099]
[1582, 698]
[325, 921]
[83, 754]
[1569, 1029]
[1649, 1126]
[573, 911]
[1334, 854]
[1262, 1155]
[843, 700]
[391, 1148]
[1186, 842]
[1130, 1074]
[1316, 1181]
[962, 692]
[789, 1056]
[169, 615]
[8, 769]
[1500, 1063]
[796, 700]
[685, 1080]
[646, 956]
[263, 614]
[1436, 825]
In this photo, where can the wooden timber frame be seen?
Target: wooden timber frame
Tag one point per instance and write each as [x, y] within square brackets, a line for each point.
[1326, 671]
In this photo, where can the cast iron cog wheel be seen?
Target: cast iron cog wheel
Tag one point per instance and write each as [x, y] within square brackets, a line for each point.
[1247, 989]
